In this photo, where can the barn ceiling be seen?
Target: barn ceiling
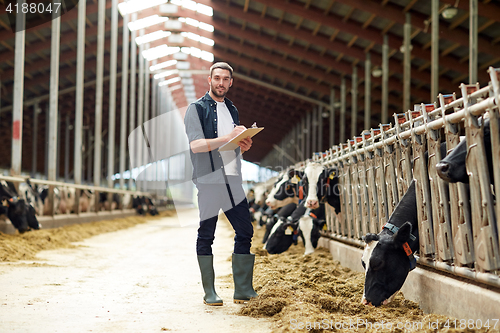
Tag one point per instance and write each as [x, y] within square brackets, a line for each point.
[287, 56]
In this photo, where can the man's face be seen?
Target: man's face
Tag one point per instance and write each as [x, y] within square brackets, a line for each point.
[220, 81]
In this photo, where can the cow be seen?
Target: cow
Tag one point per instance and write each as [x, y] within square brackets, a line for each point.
[21, 215]
[388, 256]
[87, 201]
[278, 187]
[452, 168]
[319, 184]
[104, 203]
[31, 196]
[144, 205]
[281, 215]
[44, 192]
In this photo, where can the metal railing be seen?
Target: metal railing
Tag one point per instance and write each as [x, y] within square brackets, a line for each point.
[96, 190]
[458, 226]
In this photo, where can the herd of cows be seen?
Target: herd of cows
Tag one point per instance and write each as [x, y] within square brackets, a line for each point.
[294, 207]
[24, 204]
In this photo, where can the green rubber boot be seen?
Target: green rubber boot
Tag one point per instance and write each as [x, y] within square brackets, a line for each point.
[243, 277]
[208, 278]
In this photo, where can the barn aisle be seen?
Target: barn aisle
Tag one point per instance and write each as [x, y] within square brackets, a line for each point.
[141, 279]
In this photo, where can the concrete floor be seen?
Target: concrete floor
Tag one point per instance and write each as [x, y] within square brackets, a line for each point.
[142, 279]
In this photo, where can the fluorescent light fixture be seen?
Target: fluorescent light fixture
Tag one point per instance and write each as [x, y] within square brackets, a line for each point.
[180, 56]
[204, 9]
[206, 26]
[207, 56]
[146, 22]
[377, 72]
[198, 38]
[169, 81]
[196, 52]
[192, 22]
[176, 87]
[192, 5]
[183, 65]
[166, 73]
[197, 24]
[152, 37]
[449, 13]
[159, 51]
[163, 65]
[137, 5]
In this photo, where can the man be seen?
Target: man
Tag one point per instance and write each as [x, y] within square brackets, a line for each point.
[210, 122]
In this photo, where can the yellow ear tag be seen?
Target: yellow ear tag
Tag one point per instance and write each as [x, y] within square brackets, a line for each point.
[295, 179]
[332, 175]
[289, 230]
[325, 227]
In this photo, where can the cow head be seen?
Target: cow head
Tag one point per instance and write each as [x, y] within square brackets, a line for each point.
[21, 214]
[386, 262]
[285, 193]
[290, 187]
[453, 168]
[282, 236]
[319, 183]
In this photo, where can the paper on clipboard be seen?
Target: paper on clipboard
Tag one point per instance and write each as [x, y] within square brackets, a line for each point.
[233, 144]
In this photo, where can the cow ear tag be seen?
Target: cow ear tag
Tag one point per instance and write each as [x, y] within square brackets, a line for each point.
[289, 230]
[332, 175]
[325, 227]
[295, 179]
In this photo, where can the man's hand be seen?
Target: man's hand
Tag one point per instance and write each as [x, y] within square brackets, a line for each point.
[245, 144]
[236, 131]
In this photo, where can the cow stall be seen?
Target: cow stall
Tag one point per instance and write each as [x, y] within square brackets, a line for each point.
[458, 223]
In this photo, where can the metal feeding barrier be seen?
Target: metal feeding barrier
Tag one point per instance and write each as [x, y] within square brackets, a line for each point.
[458, 224]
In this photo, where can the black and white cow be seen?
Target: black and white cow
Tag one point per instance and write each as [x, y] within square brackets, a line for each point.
[318, 185]
[277, 190]
[276, 219]
[388, 256]
[21, 215]
[453, 169]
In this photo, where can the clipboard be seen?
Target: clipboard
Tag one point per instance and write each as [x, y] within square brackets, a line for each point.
[233, 144]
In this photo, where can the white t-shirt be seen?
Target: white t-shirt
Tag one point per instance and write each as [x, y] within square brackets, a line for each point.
[225, 126]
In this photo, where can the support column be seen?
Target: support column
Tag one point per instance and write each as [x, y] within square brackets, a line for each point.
[407, 63]
[133, 68]
[123, 116]
[154, 94]
[80, 65]
[385, 80]
[18, 96]
[308, 135]
[112, 91]
[303, 138]
[99, 94]
[332, 117]
[36, 111]
[66, 149]
[53, 104]
[342, 109]
[314, 129]
[140, 110]
[320, 128]
[354, 102]
[435, 50]
[473, 17]
[368, 92]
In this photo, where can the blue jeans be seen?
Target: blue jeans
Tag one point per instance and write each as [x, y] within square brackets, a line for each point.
[232, 200]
